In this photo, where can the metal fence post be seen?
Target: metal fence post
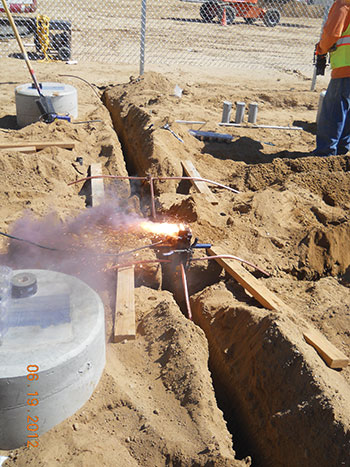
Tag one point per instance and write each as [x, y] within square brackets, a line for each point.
[143, 36]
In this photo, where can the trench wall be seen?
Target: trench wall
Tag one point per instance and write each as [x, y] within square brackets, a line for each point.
[142, 141]
[269, 378]
[130, 124]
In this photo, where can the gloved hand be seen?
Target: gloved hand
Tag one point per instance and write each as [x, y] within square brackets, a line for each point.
[320, 61]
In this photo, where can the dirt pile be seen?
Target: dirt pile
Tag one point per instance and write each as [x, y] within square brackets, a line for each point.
[33, 181]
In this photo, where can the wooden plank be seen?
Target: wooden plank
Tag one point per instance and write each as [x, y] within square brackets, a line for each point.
[124, 322]
[97, 186]
[261, 293]
[27, 149]
[330, 354]
[39, 144]
[201, 187]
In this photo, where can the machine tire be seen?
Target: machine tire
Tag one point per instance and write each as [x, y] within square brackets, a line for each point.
[249, 20]
[208, 11]
[64, 53]
[272, 18]
[60, 40]
[276, 2]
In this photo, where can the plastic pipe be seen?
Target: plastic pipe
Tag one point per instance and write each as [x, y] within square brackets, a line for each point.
[190, 122]
[252, 112]
[226, 112]
[273, 127]
[240, 108]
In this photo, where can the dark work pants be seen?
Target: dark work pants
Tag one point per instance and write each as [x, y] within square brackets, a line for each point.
[333, 129]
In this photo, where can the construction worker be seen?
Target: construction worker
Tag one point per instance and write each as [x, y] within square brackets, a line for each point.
[333, 128]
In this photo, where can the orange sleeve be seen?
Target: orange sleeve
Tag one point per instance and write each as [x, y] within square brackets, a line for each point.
[337, 21]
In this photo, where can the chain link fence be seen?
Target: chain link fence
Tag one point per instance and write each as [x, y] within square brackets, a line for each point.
[274, 34]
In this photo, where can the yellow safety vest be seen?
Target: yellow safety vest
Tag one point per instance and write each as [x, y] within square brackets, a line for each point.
[341, 56]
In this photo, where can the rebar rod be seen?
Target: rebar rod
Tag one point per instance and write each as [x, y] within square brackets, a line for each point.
[129, 252]
[121, 177]
[135, 263]
[198, 179]
[118, 177]
[184, 283]
[153, 205]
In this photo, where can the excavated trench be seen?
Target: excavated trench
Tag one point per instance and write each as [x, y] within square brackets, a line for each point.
[283, 406]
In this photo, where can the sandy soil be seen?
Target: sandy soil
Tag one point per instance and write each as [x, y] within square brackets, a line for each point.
[155, 404]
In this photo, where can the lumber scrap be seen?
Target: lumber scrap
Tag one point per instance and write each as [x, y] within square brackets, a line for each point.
[201, 187]
[124, 321]
[39, 144]
[262, 294]
[97, 186]
[333, 357]
[26, 149]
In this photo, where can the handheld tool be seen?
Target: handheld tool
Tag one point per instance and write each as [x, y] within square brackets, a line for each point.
[180, 248]
[44, 103]
[167, 127]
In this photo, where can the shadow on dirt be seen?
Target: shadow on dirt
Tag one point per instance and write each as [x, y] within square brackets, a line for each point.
[189, 20]
[345, 278]
[9, 122]
[31, 55]
[306, 126]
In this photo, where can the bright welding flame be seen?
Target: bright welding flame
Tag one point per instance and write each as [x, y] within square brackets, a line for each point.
[162, 228]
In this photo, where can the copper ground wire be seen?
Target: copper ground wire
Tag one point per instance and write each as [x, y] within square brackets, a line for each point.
[184, 283]
[135, 263]
[150, 179]
[232, 257]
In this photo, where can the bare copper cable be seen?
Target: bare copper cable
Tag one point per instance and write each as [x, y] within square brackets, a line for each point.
[151, 179]
[135, 263]
[184, 283]
[121, 177]
[232, 257]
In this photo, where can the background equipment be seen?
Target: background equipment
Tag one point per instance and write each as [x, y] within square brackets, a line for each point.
[227, 10]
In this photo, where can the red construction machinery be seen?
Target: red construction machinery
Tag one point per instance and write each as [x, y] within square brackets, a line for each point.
[227, 10]
[20, 6]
